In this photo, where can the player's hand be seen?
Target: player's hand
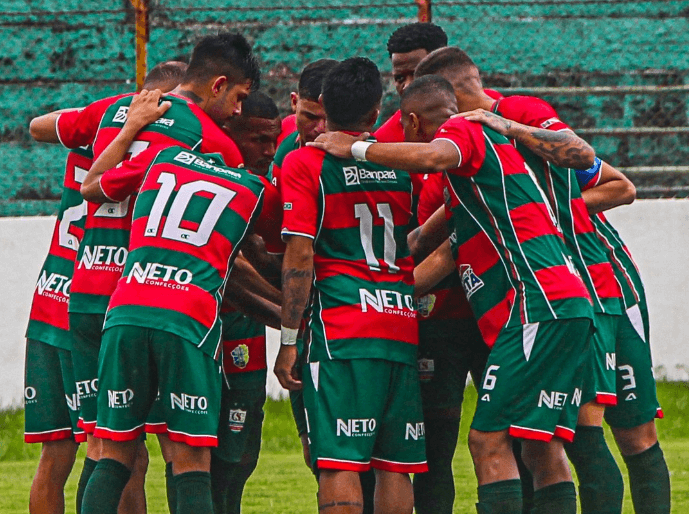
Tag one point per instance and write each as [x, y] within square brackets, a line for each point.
[487, 118]
[145, 109]
[286, 367]
[338, 144]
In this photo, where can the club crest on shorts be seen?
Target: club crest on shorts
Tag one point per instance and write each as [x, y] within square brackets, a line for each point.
[426, 369]
[426, 304]
[470, 281]
[240, 356]
[237, 420]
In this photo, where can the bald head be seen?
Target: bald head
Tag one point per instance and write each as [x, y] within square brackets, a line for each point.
[427, 103]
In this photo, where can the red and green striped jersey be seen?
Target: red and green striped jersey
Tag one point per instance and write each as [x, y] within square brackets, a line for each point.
[358, 215]
[48, 319]
[510, 254]
[289, 144]
[448, 298]
[244, 348]
[562, 191]
[190, 217]
[79, 128]
[103, 251]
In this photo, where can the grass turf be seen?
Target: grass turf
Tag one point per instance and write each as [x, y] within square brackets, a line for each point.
[282, 483]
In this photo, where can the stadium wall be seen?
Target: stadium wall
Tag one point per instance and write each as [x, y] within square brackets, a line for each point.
[56, 54]
[655, 231]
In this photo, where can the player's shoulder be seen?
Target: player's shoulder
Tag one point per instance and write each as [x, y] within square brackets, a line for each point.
[391, 131]
[524, 109]
[306, 155]
[457, 125]
[289, 144]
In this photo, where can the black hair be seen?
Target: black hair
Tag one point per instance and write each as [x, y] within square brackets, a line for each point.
[259, 105]
[431, 87]
[224, 54]
[163, 72]
[351, 90]
[414, 36]
[443, 59]
[311, 78]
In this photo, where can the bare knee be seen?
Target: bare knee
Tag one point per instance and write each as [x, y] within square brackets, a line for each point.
[591, 414]
[547, 462]
[486, 444]
[632, 441]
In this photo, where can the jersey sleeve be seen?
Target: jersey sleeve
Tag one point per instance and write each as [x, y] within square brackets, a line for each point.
[120, 182]
[270, 220]
[590, 177]
[467, 136]
[391, 131]
[216, 141]
[299, 190]
[79, 128]
[531, 111]
[431, 197]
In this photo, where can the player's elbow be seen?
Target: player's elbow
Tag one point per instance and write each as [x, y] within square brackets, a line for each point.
[628, 192]
[91, 192]
[584, 158]
[35, 130]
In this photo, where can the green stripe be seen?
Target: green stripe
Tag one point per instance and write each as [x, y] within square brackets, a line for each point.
[85, 303]
[49, 334]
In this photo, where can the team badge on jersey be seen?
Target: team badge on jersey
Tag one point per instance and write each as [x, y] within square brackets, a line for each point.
[425, 305]
[470, 281]
[237, 420]
[240, 356]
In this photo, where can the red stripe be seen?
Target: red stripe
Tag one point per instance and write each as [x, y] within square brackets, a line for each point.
[342, 466]
[559, 284]
[660, 414]
[606, 398]
[604, 280]
[96, 281]
[349, 322]
[99, 221]
[87, 426]
[193, 440]
[527, 433]
[74, 159]
[257, 354]
[532, 220]
[49, 310]
[399, 467]
[61, 251]
[339, 208]
[479, 252]
[326, 267]
[129, 435]
[57, 435]
[156, 428]
[580, 214]
[195, 303]
[80, 437]
[492, 322]
[564, 433]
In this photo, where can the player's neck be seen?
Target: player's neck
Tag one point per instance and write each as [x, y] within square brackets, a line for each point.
[188, 91]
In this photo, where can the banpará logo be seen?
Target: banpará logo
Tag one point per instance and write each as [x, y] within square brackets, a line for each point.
[415, 431]
[53, 283]
[355, 176]
[390, 302]
[155, 273]
[189, 403]
[164, 121]
[191, 159]
[101, 255]
[470, 280]
[240, 356]
[121, 114]
[237, 420]
[356, 427]
[120, 399]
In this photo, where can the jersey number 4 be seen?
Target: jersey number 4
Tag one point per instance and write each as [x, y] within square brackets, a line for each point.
[365, 217]
[172, 228]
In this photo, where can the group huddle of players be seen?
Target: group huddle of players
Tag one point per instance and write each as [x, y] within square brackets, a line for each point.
[466, 235]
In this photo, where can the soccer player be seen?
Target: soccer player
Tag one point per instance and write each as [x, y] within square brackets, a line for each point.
[162, 333]
[49, 343]
[345, 224]
[531, 306]
[601, 487]
[244, 339]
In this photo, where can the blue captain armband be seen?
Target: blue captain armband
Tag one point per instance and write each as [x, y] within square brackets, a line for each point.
[590, 177]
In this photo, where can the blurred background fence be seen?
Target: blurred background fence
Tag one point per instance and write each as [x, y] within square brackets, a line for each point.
[617, 71]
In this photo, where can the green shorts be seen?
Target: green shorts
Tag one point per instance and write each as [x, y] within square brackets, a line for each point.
[241, 421]
[51, 405]
[364, 413]
[87, 332]
[448, 350]
[599, 373]
[636, 388]
[136, 364]
[533, 378]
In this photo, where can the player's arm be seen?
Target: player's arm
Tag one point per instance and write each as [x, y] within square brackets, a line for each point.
[143, 110]
[433, 269]
[604, 187]
[267, 264]
[245, 276]
[297, 274]
[562, 148]
[436, 156]
[44, 128]
[255, 307]
[427, 237]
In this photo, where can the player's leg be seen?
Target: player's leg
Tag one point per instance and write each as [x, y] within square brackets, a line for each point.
[394, 493]
[339, 492]
[633, 418]
[133, 499]
[48, 382]
[601, 489]
[554, 490]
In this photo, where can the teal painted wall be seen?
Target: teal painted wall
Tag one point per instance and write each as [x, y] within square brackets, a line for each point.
[56, 54]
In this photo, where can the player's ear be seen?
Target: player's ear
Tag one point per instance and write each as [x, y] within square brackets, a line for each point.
[414, 121]
[218, 84]
[294, 98]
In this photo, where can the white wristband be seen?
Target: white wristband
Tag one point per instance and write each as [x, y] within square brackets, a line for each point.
[359, 150]
[288, 336]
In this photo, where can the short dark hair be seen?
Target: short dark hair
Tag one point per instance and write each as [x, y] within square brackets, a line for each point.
[442, 59]
[259, 105]
[224, 54]
[167, 71]
[311, 78]
[430, 86]
[351, 89]
[414, 36]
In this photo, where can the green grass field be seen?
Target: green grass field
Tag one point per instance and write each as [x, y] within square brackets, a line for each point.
[283, 484]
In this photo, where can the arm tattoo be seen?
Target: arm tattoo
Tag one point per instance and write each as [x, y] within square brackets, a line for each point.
[562, 148]
[295, 293]
[339, 504]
